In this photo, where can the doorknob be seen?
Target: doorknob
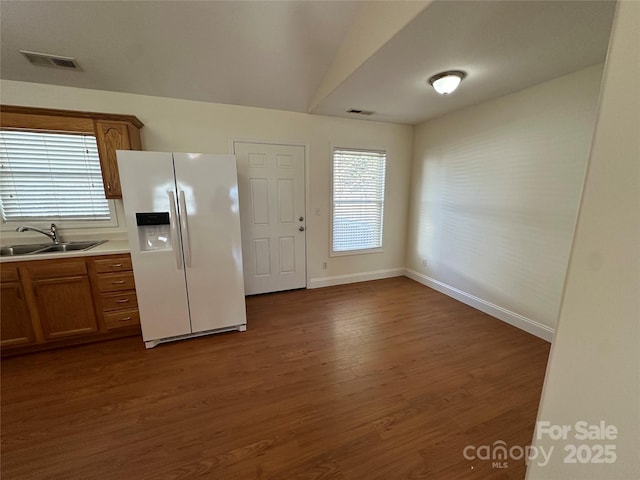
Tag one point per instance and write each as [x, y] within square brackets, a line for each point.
[301, 219]
[301, 229]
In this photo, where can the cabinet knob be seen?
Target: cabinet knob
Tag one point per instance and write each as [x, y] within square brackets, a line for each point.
[124, 300]
[301, 219]
[108, 185]
[301, 229]
[116, 265]
[119, 282]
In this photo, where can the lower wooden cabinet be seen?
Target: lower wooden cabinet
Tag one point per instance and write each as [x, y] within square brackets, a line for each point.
[121, 318]
[59, 302]
[117, 302]
[15, 324]
[65, 307]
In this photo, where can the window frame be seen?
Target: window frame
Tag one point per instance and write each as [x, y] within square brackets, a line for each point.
[53, 121]
[362, 251]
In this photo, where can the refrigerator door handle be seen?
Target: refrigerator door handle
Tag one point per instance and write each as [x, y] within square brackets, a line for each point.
[184, 224]
[175, 237]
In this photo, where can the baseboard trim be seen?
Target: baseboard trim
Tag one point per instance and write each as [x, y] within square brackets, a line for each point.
[355, 277]
[512, 318]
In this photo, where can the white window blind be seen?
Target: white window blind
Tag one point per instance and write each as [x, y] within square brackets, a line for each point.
[50, 176]
[358, 199]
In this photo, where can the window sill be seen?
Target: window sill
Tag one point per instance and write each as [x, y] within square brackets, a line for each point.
[356, 252]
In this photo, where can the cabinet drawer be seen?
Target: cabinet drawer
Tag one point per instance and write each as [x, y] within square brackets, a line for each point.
[55, 269]
[113, 264]
[122, 318]
[118, 301]
[9, 273]
[113, 282]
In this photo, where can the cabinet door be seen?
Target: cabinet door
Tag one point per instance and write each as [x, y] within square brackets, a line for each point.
[15, 321]
[111, 136]
[65, 307]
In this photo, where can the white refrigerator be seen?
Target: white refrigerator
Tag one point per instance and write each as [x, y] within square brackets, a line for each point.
[183, 223]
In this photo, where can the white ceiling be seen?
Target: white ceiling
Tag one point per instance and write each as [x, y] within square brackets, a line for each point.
[263, 54]
[275, 54]
[504, 46]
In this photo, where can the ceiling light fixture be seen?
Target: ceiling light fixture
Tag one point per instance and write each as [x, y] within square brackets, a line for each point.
[446, 82]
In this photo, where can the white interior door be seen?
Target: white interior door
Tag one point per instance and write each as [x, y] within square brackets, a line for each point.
[272, 215]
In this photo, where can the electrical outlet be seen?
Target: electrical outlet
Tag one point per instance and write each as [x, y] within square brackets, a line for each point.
[324, 265]
[424, 262]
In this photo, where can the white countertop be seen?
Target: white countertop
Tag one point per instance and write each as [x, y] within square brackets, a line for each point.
[110, 247]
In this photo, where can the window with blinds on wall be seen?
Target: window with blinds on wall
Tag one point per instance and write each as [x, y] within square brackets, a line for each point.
[50, 176]
[358, 199]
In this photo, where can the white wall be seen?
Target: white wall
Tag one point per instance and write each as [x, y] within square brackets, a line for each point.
[495, 191]
[594, 368]
[181, 125]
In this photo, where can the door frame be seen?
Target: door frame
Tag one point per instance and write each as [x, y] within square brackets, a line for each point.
[307, 199]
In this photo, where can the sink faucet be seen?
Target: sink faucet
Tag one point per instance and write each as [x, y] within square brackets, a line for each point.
[52, 233]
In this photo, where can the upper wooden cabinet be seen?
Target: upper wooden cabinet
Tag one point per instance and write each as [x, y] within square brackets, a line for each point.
[112, 132]
[112, 136]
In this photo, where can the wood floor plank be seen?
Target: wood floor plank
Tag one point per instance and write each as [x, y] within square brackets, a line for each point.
[386, 379]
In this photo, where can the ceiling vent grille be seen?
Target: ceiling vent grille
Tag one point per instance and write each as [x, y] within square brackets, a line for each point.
[55, 61]
[360, 112]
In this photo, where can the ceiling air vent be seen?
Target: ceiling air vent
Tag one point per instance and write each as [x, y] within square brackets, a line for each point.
[55, 61]
[360, 112]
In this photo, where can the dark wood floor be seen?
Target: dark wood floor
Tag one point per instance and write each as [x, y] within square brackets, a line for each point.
[378, 380]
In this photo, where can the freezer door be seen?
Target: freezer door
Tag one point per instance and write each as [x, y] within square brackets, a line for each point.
[148, 186]
[210, 216]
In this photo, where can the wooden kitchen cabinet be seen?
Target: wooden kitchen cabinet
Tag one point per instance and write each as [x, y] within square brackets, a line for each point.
[112, 136]
[63, 298]
[67, 301]
[14, 330]
[65, 307]
[116, 299]
[113, 132]
[115, 282]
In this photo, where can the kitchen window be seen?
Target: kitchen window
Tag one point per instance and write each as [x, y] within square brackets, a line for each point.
[357, 200]
[52, 177]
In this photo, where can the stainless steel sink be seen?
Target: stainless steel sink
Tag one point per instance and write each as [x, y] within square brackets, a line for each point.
[48, 248]
[70, 247]
[21, 249]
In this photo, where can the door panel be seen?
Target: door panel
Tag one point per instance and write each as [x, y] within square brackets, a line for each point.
[262, 255]
[272, 202]
[211, 233]
[285, 201]
[287, 254]
[260, 201]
